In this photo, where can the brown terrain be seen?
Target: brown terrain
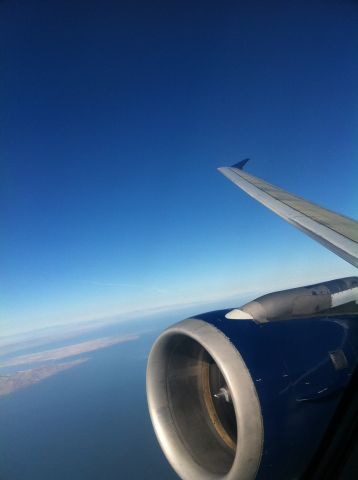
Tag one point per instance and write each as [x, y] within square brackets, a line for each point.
[11, 382]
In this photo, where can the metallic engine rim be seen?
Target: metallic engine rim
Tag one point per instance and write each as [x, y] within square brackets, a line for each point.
[244, 396]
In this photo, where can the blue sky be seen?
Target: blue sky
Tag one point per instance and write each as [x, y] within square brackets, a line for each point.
[115, 116]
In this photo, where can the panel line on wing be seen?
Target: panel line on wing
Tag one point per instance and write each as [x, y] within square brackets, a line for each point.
[344, 225]
[336, 232]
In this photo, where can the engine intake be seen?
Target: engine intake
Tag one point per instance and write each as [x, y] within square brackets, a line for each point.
[203, 403]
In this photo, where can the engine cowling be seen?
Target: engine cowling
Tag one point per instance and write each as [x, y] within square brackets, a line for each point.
[239, 399]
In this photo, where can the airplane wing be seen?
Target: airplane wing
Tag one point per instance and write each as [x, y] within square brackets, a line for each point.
[336, 232]
[230, 391]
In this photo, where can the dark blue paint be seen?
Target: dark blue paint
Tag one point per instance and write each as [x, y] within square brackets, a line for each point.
[240, 165]
[298, 386]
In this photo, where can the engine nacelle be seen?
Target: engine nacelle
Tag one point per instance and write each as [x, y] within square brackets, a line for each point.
[239, 399]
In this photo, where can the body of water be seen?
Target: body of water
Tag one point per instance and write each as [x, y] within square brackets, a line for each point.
[89, 422]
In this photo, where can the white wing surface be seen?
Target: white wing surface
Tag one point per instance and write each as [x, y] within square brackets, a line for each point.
[336, 232]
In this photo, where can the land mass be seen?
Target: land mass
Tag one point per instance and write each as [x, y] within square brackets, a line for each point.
[24, 378]
[67, 351]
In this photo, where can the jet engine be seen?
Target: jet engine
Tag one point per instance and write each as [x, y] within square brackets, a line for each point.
[249, 392]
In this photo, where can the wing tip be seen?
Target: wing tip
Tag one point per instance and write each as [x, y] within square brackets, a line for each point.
[240, 165]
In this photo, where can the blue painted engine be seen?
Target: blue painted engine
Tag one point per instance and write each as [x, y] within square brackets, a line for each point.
[249, 393]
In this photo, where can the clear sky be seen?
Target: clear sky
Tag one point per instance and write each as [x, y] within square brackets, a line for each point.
[114, 118]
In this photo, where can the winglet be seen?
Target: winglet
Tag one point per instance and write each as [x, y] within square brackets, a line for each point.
[240, 165]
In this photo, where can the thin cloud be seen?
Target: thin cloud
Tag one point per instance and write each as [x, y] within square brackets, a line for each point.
[129, 285]
[110, 284]
[160, 290]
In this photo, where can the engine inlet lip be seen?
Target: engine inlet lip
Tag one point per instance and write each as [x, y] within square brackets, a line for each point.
[244, 397]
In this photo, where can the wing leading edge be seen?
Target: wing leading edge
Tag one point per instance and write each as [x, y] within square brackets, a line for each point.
[336, 232]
